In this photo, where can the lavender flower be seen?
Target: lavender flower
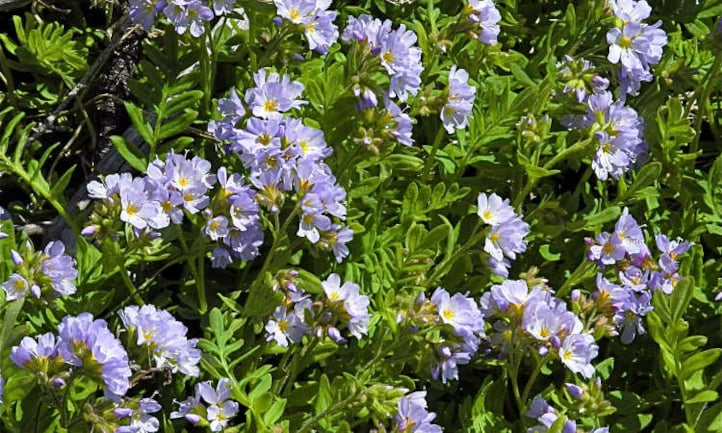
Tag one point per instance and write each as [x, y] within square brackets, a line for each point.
[460, 312]
[165, 338]
[618, 134]
[413, 416]
[484, 17]
[60, 267]
[220, 407]
[16, 287]
[188, 15]
[88, 343]
[493, 210]
[353, 304]
[635, 44]
[287, 326]
[35, 355]
[459, 101]
[273, 95]
[576, 353]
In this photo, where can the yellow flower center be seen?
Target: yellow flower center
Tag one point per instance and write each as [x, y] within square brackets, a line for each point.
[448, 314]
[625, 42]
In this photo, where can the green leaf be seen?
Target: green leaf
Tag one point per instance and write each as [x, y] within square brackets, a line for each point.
[699, 361]
[141, 124]
[130, 153]
[62, 183]
[275, 412]
[680, 298]
[703, 397]
[710, 421]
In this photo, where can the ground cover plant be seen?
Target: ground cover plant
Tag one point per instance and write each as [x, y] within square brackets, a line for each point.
[387, 216]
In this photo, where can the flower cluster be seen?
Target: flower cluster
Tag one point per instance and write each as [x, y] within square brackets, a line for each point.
[638, 274]
[634, 44]
[216, 411]
[412, 415]
[484, 17]
[138, 416]
[580, 77]
[458, 102]
[547, 416]
[298, 315]
[46, 274]
[164, 338]
[537, 319]
[172, 187]
[84, 343]
[314, 18]
[185, 15]
[282, 155]
[617, 133]
[506, 237]
[395, 49]
[463, 315]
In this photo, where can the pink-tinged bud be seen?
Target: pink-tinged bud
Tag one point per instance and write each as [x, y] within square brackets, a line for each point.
[17, 258]
[598, 382]
[576, 294]
[89, 231]
[193, 418]
[122, 412]
[574, 390]
[58, 382]
[556, 342]
[336, 336]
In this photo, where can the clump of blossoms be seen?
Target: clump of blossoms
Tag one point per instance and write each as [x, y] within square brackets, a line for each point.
[547, 416]
[634, 44]
[47, 274]
[506, 237]
[137, 415]
[394, 49]
[285, 158]
[451, 327]
[533, 318]
[172, 188]
[185, 15]
[211, 407]
[84, 346]
[161, 337]
[298, 315]
[483, 18]
[458, 101]
[580, 78]
[627, 260]
[617, 132]
[413, 416]
[313, 18]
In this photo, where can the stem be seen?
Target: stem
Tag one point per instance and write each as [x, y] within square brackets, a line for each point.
[296, 363]
[200, 284]
[434, 148]
[441, 268]
[577, 276]
[324, 413]
[532, 378]
[702, 94]
[206, 71]
[133, 291]
[531, 181]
